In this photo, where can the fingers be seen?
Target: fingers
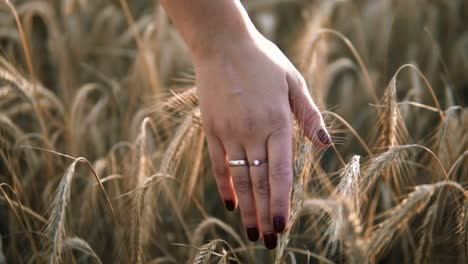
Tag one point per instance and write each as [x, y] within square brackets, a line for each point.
[221, 172]
[261, 191]
[306, 112]
[280, 175]
[243, 187]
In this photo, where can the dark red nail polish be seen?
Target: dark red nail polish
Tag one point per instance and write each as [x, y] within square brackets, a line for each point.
[270, 240]
[278, 224]
[252, 233]
[323, 136]
[229, 205]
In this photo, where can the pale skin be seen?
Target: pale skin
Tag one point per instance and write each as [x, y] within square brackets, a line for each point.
[249, 93]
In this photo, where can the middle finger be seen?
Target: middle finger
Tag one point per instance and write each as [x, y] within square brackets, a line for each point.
[261, 191]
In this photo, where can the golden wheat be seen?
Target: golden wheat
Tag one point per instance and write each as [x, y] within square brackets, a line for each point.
[112, 82]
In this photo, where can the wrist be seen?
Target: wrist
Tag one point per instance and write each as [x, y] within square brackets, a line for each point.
[218, 33]
[208, 26]
[221, 46]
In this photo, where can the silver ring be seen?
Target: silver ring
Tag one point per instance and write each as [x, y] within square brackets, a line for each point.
[257, 162]
[238, 163]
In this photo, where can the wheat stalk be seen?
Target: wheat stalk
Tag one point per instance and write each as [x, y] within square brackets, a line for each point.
[81, 245]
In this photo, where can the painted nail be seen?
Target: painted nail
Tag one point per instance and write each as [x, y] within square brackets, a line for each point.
[278, 224]
[229, 205]
[270, 240]
[323, 136]
[252, 233]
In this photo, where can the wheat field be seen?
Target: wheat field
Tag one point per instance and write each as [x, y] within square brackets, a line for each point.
[103, 158]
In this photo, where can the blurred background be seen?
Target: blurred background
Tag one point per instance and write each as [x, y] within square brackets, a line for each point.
[111, 81]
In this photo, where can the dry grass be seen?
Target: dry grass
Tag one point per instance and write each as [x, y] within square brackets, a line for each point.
[111, 81]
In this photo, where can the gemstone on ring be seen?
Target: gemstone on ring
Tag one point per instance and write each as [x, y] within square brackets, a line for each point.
[257, 162]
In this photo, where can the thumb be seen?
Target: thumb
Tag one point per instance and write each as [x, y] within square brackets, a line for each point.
[306, 111]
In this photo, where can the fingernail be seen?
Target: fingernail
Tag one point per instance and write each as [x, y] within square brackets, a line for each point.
[229, 205]
[323, 136]
[252, 233]
[270, 240]
[278, 224]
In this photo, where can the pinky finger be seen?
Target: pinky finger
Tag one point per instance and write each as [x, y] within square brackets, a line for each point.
[221, 173]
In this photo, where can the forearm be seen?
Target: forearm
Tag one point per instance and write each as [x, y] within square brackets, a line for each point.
[207, 26]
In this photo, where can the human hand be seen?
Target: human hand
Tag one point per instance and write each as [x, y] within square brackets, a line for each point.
[248, 91]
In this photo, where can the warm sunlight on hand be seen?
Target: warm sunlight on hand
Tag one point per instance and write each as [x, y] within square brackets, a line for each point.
[248, 92]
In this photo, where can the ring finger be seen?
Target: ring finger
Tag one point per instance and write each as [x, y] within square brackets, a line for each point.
[243, 187]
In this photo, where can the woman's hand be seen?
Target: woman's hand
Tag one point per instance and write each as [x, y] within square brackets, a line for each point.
[248, 92]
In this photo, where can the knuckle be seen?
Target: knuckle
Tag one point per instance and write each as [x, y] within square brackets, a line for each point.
[278, 120]
[261, 186]
[281, 204]
[225, 127]
[281, 172]
[300, 81]
[242, 185]
[244, 127]
[297, 79]
[247, 126]
[310, 114]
